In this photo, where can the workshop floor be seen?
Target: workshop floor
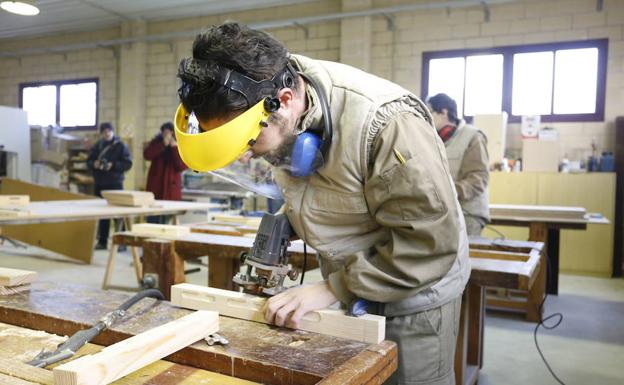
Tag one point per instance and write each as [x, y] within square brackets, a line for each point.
[587, 348]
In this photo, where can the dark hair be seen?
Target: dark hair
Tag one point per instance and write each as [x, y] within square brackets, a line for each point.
[250, 52]
[166, 126]
[106, 126]
[443, 101]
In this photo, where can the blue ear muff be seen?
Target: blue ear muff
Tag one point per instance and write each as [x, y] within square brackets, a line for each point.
[305, 154]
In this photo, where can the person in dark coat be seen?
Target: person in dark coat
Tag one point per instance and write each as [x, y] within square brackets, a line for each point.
[109, 159]
[164, 178]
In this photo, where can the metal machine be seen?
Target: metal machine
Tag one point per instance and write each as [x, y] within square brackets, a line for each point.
[267, 261]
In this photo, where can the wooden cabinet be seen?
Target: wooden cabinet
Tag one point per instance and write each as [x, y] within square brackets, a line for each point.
[588, 252]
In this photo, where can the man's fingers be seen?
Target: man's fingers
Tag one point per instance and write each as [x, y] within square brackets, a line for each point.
[284, 312]
[272, 305]
[296, 316]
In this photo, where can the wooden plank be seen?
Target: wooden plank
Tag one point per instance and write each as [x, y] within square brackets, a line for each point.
[129, 198]
[552, 213]
[17, 369]
[504, 255]
[9, 290]
[127, 356]
[368, 328]
[16, 277]
[72, 239]
[155, 229]
[237, 219]
[8, 380]
[14, 200]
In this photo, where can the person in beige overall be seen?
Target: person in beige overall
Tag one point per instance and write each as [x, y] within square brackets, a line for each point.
[381, 210]
[466, 150]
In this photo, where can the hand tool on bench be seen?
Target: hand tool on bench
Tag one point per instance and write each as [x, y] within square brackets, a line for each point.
[68, 348]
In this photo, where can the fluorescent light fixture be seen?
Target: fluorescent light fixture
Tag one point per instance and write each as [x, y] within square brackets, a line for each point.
[22, 7]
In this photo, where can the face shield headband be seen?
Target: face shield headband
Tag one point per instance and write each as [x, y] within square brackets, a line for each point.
[220, 146]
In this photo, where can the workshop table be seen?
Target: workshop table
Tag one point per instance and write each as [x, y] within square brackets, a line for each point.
[57, 211]
[546, 230]
[498, 263]
[25, 344]
[505, 264]
[164, 256]
[256, 352]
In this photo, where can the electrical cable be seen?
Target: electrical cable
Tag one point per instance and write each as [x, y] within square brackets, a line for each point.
[305, 262]
[542, 323]
[502, 236]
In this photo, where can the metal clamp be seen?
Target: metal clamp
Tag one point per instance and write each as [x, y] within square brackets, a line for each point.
[216, 339]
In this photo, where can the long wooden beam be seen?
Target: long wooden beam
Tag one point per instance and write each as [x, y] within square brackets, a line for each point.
[368, 328]
[136, 352]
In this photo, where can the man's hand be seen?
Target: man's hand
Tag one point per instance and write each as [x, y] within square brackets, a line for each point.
[96, 165]
[173, 142]
[287, 308]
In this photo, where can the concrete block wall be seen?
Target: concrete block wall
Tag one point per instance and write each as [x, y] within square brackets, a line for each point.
[397, 52]
[396, 45]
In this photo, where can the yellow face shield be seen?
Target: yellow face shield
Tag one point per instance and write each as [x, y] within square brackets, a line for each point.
[217, 148]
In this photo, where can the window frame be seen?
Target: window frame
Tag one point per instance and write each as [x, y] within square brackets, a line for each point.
[508, 51]
[58, 84]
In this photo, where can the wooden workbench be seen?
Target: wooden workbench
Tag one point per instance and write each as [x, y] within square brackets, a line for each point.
[257, 352]
[545, 229]
[164, 256]
[65, 223]
[22, 344]
[506, 264]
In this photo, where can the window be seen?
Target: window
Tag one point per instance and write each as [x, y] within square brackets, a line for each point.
[559, 81]
[71, 104]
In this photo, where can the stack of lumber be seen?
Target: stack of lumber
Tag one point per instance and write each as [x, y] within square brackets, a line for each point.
[367, 328]
[531, 212]
[155, 229]
[15, 281]
[127, 356]
[128, 198]
[14, 205]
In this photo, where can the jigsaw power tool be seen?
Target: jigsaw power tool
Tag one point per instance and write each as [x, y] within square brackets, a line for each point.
[267, 261]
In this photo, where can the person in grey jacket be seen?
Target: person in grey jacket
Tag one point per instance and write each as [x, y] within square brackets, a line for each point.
[466, 150]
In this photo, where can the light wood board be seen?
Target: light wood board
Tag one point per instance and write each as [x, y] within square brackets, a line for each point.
[129, 198]
[156, 229]
[368, 328]
[538, 211]
[14, 200]
[16, 277]
[127, 356]
[73, 239]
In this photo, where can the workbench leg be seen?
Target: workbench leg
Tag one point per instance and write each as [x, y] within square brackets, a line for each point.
[136, 260]
[461, 347]
[552, 250]
[469, 348]
[161, 261]
[110, 266]
[476, 318]
[538, 232]
[221, 271]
